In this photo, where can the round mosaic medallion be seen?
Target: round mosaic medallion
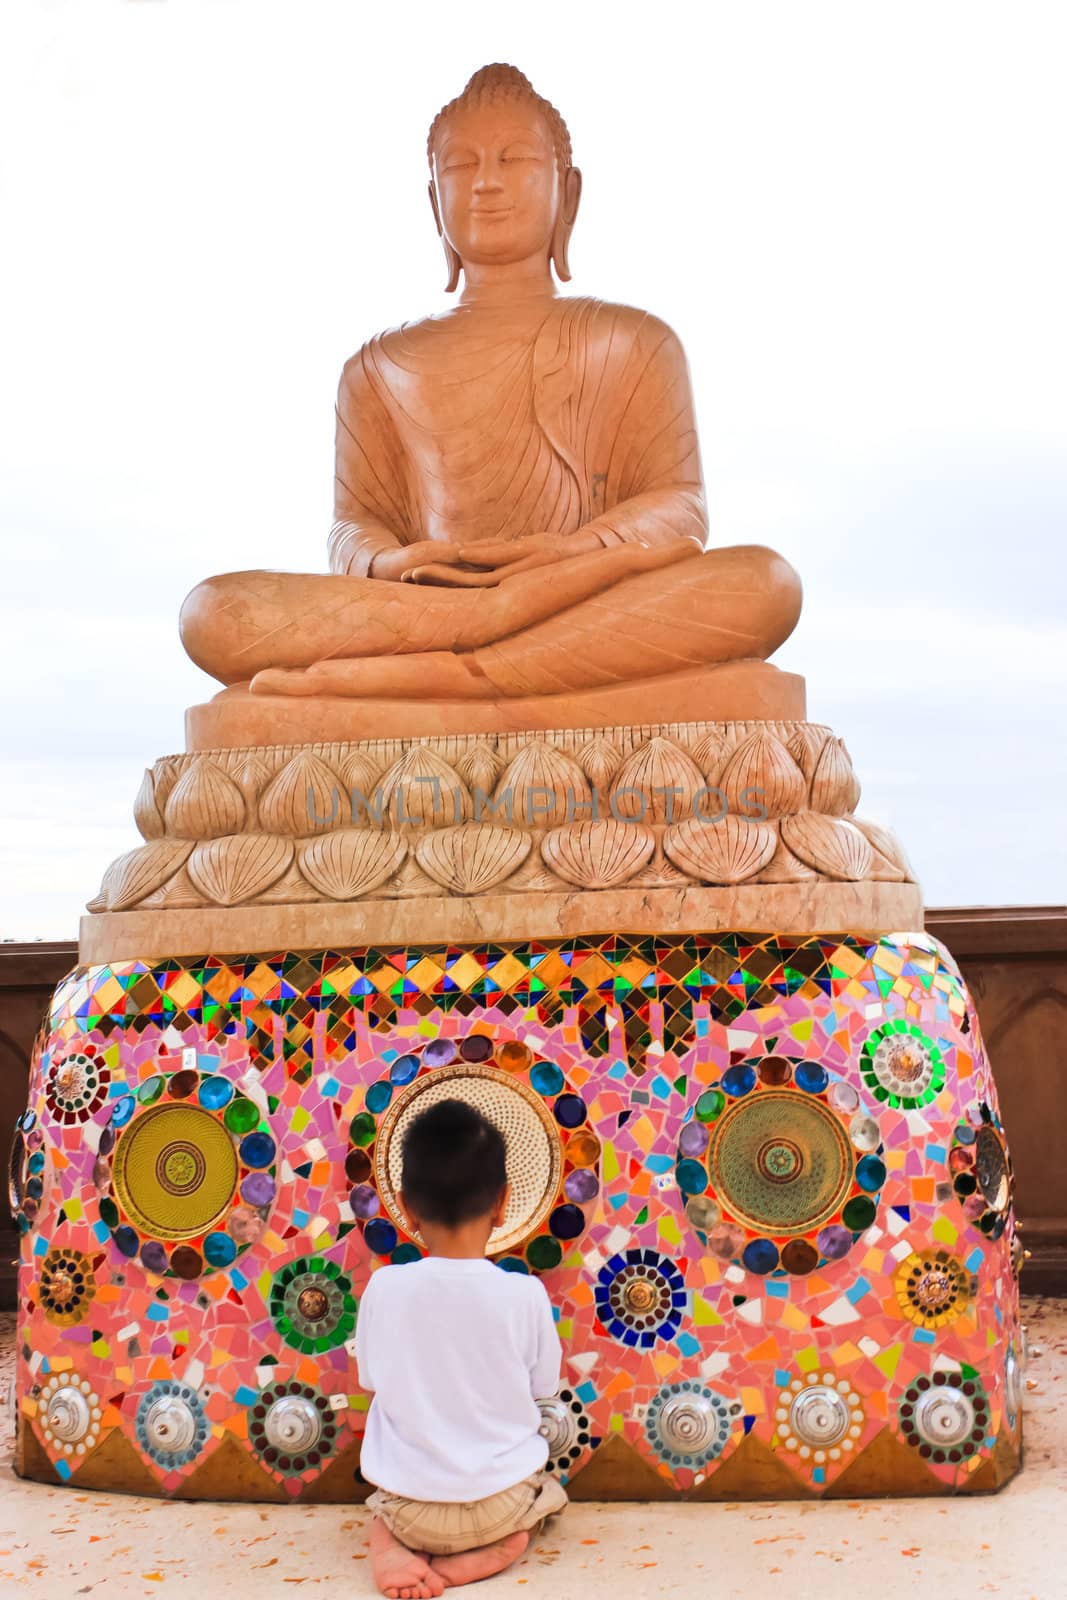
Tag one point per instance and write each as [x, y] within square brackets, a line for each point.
[312, 1305]
[67, 1286]
[1013, 1385]
[28, 1171]
[291, 1427]
[175, 1171]
[76, 1085]
[820, 1417]
[902, 1065]
[69, 1414]
[932, 1288]
[780, 1162]
[185, 1173]
[945, 1416]
[981, 1171]
[532, 1136]
[171, 1425]
[688, 1424]
[640, 1297]
[565, 1428]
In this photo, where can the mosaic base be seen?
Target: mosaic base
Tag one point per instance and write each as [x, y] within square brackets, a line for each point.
[768, 1192]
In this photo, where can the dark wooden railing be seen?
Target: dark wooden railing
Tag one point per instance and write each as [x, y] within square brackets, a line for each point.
[1014, 959]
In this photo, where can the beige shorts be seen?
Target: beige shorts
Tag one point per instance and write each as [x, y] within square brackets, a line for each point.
[444, 1529]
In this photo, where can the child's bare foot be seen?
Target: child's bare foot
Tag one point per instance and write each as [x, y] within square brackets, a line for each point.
[470, 1565]
[400, 1573]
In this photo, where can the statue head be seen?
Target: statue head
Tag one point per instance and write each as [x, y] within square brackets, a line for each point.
[502, 186]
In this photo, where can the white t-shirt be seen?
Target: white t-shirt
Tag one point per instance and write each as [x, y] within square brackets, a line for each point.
[457, 1353]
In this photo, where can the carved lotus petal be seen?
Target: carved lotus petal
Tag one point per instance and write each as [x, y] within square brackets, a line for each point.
[805, 747]
[251, 777]
[145, 811]
[133, 876]
[785, 867]
[411, 883]
[834, 847]
[889, 862]
[472, 858]
[306, 796]
[730, 851]
[351, 862]
[835, 788]
[232, 871]
[291, 889]
[479, 767]
[360, 774]
[421, 790]
[656, 783]
[710, 755]
[165, 774]
[760, 773]
[598, 854]
[205, 803]
[542, 786]
[600, 760]
[179, 893]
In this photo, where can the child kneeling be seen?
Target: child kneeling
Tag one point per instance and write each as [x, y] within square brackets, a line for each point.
[456, 1353]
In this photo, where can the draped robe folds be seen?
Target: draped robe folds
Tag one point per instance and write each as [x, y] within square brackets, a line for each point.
[494, 424]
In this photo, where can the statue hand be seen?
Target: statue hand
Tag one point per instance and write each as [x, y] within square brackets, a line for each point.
[395, 565]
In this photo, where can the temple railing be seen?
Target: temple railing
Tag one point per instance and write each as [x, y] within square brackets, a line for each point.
[1014, 959]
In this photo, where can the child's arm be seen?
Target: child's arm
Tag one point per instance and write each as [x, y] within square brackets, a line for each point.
[548, 1353]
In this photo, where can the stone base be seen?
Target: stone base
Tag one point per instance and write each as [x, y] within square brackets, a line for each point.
[747, 691]
[777, 1224]
[689, 826]
[794, 909]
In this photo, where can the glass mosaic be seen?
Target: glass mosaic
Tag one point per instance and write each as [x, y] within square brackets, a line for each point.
[771, 1202]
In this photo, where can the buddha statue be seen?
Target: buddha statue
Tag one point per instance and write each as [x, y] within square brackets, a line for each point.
[519, 507]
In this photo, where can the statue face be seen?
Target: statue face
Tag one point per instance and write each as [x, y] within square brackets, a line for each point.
[497, 183]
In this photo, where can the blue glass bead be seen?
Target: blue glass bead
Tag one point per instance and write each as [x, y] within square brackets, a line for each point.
[870, 1173]
[513, 1264]
[569, 1110]
[219, 1249]
[760, 1255]
[257, 1150]
[811, 1076]
[403, 1070]
[378, 1097]
[215, 1092]
[123, 1110]
[127, 1240]
[546, 1077]
[691, 1176]
[739, 1080]
[404, 1253]
[381, 1237]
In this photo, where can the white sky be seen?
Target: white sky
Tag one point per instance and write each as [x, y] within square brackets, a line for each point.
[852, 213]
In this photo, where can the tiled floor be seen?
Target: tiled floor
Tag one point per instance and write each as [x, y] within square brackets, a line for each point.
[57, 1543]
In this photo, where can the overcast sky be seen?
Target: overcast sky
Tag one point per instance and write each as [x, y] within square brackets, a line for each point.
[852, 214]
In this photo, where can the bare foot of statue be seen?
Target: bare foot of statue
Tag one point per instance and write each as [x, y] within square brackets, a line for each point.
[473, 1565]
[400, 1573]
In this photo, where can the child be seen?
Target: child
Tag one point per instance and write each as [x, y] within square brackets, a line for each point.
[457, 1353]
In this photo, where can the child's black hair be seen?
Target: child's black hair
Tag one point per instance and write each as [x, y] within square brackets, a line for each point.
[454, 1164]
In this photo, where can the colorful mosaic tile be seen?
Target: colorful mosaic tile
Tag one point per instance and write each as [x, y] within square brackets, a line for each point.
[764, 1180]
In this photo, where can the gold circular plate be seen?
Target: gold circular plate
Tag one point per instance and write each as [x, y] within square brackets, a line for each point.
[175, 1171]
[780, 1162]
[534, 1154]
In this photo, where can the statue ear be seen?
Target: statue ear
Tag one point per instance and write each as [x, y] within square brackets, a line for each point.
[455, 265]
[568, 210]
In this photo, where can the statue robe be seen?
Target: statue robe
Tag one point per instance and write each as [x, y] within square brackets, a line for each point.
[479, 425]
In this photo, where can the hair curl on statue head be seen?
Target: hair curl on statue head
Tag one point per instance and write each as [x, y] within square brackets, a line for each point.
[495, 84]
